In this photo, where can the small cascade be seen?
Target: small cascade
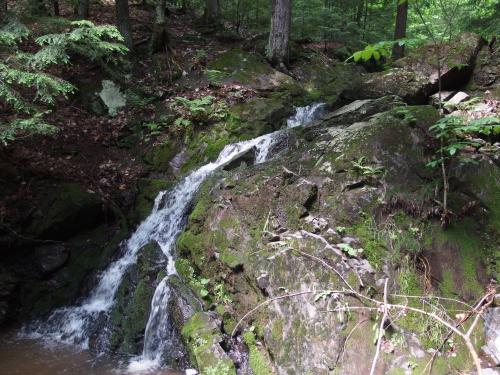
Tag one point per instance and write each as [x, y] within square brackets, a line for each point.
[306, 115]
[75, 324]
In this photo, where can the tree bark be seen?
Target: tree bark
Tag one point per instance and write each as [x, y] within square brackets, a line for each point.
[277, 49]
[160, 40]
[211, 14]
[57, 11]
[82, 9]
[123, 22]
[398, 51]
[37, 8]
[3, 10]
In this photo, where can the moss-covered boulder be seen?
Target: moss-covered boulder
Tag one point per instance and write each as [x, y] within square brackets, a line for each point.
[415, 77]
[326, 80]
[238, 66]
[202, 337]
[66, 210]
[355, 197]
[133, 300]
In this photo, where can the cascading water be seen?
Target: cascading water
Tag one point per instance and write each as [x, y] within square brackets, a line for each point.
[73, 325]
[306, 115]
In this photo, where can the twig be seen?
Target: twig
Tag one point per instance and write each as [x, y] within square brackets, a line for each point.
[384, 309]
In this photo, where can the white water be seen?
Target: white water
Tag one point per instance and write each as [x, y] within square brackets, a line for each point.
[306, 115]
[73, 325]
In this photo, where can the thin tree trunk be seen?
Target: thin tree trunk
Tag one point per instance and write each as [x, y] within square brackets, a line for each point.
[279, 36]
[37, 8]
[398, 51]
[57, 11]
[160, 39]
[211, 13]
[82, 9]
[123, 22]
[3, 10]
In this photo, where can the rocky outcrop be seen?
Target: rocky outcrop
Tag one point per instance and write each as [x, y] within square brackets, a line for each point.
[415, 77]
[133, 301]
[354, 196]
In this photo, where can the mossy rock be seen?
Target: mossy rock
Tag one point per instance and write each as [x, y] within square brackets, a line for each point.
[202, 337]
[249, 69]
[130, 313]
[65, 211]
[148, 190]
[159, 156]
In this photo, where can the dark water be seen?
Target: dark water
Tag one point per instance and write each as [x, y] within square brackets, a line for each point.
[32, 357]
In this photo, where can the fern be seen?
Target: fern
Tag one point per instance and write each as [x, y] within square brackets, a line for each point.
[22, 70]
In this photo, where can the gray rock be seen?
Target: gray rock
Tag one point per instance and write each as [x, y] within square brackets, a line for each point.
[52, 257]
[457, 99]
[492, 331]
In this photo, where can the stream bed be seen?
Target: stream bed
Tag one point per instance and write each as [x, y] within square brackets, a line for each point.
[34, 357]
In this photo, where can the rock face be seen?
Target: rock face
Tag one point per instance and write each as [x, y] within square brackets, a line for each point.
[349, 194]
[133, 301]
[415, 77]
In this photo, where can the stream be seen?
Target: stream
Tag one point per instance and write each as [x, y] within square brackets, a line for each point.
[60, 344]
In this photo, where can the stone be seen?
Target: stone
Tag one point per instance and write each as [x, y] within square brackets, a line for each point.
[52, 257]
[458, 98]
[112, 97]
[492, 331]
[445, 95]
[415, 77]
[245, 158]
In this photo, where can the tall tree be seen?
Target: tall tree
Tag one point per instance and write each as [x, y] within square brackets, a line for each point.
[123, 22]
[398, 50]
[55, 5]
[211, 13]
[160, 40]
[37, 8]
[3, 10]
[277, 49]
[82, 9]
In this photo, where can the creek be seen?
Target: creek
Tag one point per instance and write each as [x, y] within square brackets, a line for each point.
[62, 343]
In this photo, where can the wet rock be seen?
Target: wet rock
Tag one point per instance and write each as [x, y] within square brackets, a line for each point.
[133, 301]
[202, 336]
[52, 257]
[492, 330]
[245, 158]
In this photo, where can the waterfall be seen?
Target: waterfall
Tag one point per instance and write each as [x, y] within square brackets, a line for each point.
[306, 115]
[73, 325]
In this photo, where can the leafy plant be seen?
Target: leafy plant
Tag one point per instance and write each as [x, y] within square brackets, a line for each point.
[221, 294]
[349, 250]
[200, 110]
[365, 170]
[22, 70]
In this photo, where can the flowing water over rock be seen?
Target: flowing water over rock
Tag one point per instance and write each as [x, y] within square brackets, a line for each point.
[77, 324]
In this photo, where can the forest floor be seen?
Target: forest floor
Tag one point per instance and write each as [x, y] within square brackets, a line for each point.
[87, 148]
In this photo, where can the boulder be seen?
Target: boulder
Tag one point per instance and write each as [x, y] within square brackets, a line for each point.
[64, 211]
[130, 313]
[238, 66]
[487, 72]
[415, 77]
[52, 257]
[492, 330]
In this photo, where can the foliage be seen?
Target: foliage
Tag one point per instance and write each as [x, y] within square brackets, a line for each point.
[201, 110]
[25, 86]
[349, 250]
[365, 170]
[454, 132]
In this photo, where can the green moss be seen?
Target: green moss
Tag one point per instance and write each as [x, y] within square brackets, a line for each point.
[148, 189]
[374, 249]
[259, 361]
[243, 66]
[201, 336]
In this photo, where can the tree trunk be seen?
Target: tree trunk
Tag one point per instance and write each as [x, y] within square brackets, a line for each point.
[37, 8]
[398, 51]
[3, 10]
[123, 22]
[57, 11]
[211, 14]
[277, 49]
[160, 40]
[82, 9]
